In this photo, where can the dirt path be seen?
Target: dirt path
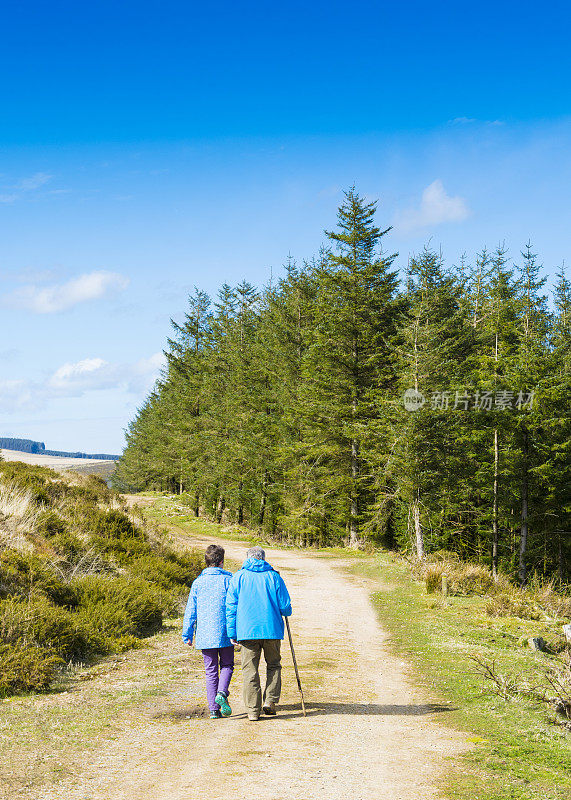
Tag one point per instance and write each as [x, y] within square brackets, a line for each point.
[369, 734]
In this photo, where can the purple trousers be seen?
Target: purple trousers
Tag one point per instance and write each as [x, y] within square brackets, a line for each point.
[215, 681]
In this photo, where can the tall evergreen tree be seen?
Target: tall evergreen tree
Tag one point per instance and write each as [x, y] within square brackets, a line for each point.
[347, 360]
[528, 370]
[436, 345]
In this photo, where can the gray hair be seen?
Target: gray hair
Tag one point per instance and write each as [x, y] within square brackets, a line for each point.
[256, 552]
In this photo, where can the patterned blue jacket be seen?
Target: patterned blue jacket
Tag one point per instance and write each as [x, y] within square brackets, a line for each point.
[206, 610]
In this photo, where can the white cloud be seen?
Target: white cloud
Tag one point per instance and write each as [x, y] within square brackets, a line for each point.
[436, 207]
[25, 186]
[94, 374]
[80, 373]
[60, 297]
[33, 182]
[75, 379]
[474, 121]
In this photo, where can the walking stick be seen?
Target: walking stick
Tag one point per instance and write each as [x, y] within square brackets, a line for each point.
[295, 666]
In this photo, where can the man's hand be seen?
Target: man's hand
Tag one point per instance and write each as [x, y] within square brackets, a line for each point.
[233, 641]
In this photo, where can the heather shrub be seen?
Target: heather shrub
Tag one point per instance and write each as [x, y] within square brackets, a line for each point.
[117, 525]
[39, 623]
[114, 533]
[171, 572]
[103, 627]
[26, 669]
[69, 547]
[143, 604]
[78, 577]
[28, 574]
[33, 480]
[49, 524]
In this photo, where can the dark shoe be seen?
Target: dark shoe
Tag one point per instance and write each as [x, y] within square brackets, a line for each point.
[270, 709]
[222, 700]
[215, 715]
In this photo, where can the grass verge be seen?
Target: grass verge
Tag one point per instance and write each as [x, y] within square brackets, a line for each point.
[519, 751]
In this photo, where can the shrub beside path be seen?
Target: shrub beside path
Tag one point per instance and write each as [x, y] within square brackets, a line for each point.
[369, 734]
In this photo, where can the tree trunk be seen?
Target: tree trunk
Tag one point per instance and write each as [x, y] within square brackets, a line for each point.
[561, 560]
[354, 540]
[220, 508]
[197, 504]
[495, 531]
[240, 504]
[263, 500]
[524, 512]
[419, 538]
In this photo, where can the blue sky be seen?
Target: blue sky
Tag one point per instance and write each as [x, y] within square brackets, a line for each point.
[147, 148]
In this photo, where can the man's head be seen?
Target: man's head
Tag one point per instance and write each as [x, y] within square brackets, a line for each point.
[214, 555]
[256, 552]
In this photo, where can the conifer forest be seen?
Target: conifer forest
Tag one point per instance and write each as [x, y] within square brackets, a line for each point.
[424, 407]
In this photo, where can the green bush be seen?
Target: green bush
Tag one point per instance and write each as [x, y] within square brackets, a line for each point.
[29, 669]
[33, 479]
[84, 493]
[172, 571]
[50, 524]
[48, 617]
[103, 627]
[144, 604]
[39, 623]
[117, 525]
[69, 546]
[114, 533]
[27, 573]
[98, 486]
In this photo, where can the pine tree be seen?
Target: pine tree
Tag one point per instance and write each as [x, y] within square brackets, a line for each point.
[528, 370]
[497, 345]
[554, 472]
[427, 455]
[346, 361]
[186, 364]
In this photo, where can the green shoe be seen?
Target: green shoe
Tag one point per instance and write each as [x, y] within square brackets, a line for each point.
[215, 715]
[222, 700]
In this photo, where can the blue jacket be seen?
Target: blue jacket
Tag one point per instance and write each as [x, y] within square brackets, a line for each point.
[206, 610]
[256, 600]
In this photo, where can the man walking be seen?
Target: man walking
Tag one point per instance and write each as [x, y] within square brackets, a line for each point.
[256, 601]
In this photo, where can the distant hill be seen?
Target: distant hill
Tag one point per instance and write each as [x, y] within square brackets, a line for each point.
[39, 448]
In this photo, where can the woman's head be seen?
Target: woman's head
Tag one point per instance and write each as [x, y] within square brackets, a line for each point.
[214, 555]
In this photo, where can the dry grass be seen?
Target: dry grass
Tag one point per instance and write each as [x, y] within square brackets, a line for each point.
[462, 579]
[538, 601]
[18, 516]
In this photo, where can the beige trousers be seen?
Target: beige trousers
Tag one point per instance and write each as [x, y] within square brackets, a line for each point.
[252, 691]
